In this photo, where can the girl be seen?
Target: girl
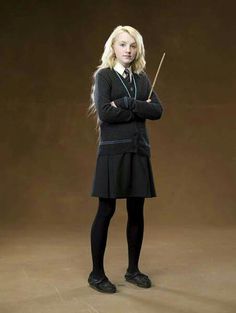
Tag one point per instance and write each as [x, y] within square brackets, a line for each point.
[123, 169]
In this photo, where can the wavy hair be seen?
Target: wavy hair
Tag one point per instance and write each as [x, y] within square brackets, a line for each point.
[108, 59]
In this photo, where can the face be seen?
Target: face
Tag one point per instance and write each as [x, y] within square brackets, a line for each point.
[125, 49]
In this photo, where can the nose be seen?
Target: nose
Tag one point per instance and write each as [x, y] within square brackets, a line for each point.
[128, 48]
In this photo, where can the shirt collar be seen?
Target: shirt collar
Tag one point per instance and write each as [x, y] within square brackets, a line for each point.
[120, 68]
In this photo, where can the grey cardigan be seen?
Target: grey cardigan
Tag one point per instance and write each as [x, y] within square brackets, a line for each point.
[123, 128]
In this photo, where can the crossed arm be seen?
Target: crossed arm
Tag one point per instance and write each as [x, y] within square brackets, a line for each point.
[124, 109]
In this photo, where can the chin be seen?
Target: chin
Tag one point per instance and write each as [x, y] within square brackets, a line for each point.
[127, 63]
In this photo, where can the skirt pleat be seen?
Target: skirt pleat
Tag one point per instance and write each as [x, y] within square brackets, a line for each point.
[123, 175]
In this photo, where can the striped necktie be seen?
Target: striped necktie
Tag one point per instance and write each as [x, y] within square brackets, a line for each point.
[127, 75]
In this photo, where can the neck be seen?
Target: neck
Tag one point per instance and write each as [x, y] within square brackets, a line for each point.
[125, 65]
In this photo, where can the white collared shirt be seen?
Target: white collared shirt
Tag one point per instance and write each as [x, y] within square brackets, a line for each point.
[120, 69]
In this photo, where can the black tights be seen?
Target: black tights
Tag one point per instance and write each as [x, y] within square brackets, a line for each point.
[134, 232]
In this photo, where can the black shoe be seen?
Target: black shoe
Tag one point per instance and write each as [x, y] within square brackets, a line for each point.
[101, 284]
[139, 279]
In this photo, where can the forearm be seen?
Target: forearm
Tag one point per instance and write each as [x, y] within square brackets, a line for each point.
[151, 109]
[107, 112]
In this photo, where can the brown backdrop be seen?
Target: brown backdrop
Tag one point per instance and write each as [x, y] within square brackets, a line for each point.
[49, 50]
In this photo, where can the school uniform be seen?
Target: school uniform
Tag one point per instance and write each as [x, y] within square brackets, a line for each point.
[123, 165]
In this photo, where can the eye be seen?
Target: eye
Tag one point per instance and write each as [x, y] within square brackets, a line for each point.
[122, 44]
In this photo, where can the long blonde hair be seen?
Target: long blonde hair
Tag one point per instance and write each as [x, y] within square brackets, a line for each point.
[108, 59]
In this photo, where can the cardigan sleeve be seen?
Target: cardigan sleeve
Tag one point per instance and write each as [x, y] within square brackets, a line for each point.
[148, 110]
[151, 110]
[107, 112]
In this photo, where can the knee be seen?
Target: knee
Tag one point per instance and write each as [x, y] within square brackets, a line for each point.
[106, 208]
[135, 208]
[135, 218]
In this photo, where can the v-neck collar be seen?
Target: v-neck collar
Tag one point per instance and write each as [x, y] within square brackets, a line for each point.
[123, 82]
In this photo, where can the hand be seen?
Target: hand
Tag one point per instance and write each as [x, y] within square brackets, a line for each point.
[113, 104]
[148, 100]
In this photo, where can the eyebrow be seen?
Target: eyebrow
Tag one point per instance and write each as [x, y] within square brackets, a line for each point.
[133, 43]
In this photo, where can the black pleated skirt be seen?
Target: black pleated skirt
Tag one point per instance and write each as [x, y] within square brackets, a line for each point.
[123, 175]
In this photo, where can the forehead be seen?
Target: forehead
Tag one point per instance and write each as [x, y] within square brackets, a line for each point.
[124, 36]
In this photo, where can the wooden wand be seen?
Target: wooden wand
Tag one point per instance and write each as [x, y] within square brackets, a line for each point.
[158, 70]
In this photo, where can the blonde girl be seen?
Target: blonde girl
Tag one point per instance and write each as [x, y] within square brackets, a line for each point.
[123, 166]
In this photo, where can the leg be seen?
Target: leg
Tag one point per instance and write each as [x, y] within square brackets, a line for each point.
[134, 231]
[99, 231]
[135, 228]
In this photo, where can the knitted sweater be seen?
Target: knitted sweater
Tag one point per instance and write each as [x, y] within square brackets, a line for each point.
[123, 129]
